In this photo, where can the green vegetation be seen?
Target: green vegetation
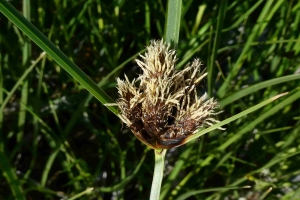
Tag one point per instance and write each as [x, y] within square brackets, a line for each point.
[58, 142]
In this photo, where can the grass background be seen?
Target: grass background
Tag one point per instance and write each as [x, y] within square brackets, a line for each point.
[57, 142]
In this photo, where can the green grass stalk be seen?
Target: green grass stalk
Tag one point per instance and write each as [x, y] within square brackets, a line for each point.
[158, 173]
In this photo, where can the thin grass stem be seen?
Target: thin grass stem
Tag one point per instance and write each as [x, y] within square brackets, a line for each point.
[158, 173]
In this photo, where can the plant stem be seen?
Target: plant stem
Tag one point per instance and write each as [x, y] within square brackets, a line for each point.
[173, 22]
[158, 173]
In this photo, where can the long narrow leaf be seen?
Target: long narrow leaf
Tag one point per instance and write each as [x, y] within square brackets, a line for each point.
[256, 87]
[173, 21]
[42, 41]
[217, 39]
[235, 117]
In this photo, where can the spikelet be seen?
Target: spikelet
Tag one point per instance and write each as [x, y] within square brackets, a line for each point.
[161, 106]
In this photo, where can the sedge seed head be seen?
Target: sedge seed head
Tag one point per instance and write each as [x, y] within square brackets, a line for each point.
[161, 106]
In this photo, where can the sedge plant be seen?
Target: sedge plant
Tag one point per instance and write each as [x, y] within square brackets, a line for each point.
[161, 106]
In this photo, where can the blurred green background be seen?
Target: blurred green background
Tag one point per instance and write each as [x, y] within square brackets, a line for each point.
[57, 142]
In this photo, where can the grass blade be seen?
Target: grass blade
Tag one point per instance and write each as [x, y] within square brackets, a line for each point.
[269, 113]
[173, 22]
[10, 174]
[221, 17]
[19, 82]
[256, 87]
[42, 41]
[85, 192]
[235, 117]
[26, 54]
[264, 16]
[192, 193]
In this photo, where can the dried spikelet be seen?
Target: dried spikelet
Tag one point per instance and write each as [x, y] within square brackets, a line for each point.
[161, 106]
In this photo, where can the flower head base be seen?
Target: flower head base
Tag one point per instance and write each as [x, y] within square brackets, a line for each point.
[161, 106]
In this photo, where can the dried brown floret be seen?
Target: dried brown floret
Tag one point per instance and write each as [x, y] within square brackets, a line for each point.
[161, 106]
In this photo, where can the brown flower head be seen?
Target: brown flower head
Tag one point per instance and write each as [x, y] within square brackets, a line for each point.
[161, 106]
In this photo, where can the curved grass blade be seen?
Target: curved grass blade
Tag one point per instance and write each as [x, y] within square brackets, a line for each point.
[84, 103]
[265, 194]
[256, 87]
[279, 157]
[44, 43]
[18, 83]
[85, 192]
[244, 17]
[233, 118]
[48, 166]
[265, 115]
[192, 193]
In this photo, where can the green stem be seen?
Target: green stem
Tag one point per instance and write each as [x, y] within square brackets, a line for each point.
[173, 22]
[158, 173]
